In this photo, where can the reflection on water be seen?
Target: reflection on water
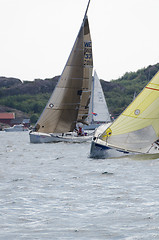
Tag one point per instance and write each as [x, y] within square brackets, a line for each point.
[55, 191]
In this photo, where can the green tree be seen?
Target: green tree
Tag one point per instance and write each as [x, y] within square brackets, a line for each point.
[34, 118]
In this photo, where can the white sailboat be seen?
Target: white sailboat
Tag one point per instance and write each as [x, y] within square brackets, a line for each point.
[16, 128]
[69, 102]
[135, 131]
[98, 110]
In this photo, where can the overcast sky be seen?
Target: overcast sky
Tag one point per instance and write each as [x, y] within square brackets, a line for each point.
[36, 36]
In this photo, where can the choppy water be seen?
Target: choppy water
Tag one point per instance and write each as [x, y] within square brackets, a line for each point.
[55, 191]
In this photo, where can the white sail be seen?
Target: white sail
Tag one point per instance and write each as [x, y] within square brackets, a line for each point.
[70, 99]
[98, 110]
[99, 103]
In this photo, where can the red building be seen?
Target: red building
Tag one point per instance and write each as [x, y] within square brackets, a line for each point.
[6, 118]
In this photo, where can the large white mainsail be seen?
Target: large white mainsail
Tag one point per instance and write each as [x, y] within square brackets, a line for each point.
[137, 127]
[70, 99]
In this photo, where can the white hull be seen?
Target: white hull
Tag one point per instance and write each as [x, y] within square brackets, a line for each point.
[36, 137]
[16, 128]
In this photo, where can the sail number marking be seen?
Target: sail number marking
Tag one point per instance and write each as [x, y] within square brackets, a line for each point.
[88, 56]
[88, 53]
[88, 44]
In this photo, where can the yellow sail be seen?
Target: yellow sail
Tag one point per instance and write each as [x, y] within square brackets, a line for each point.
[138, 126]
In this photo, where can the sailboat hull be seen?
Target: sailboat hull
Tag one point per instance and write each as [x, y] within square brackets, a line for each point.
[104, 152]
[100, 149]
[36, 137]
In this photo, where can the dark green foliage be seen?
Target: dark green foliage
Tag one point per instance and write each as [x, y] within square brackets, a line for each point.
[30, 104]
[31, 97]
[118, 98]
[34, 118]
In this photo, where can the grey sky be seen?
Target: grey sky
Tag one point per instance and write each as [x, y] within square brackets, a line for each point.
[37, 36]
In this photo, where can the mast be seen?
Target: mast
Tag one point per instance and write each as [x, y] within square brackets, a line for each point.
[92, 99]
[86, 10]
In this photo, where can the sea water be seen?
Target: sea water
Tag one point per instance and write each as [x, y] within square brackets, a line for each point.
[55, 191]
